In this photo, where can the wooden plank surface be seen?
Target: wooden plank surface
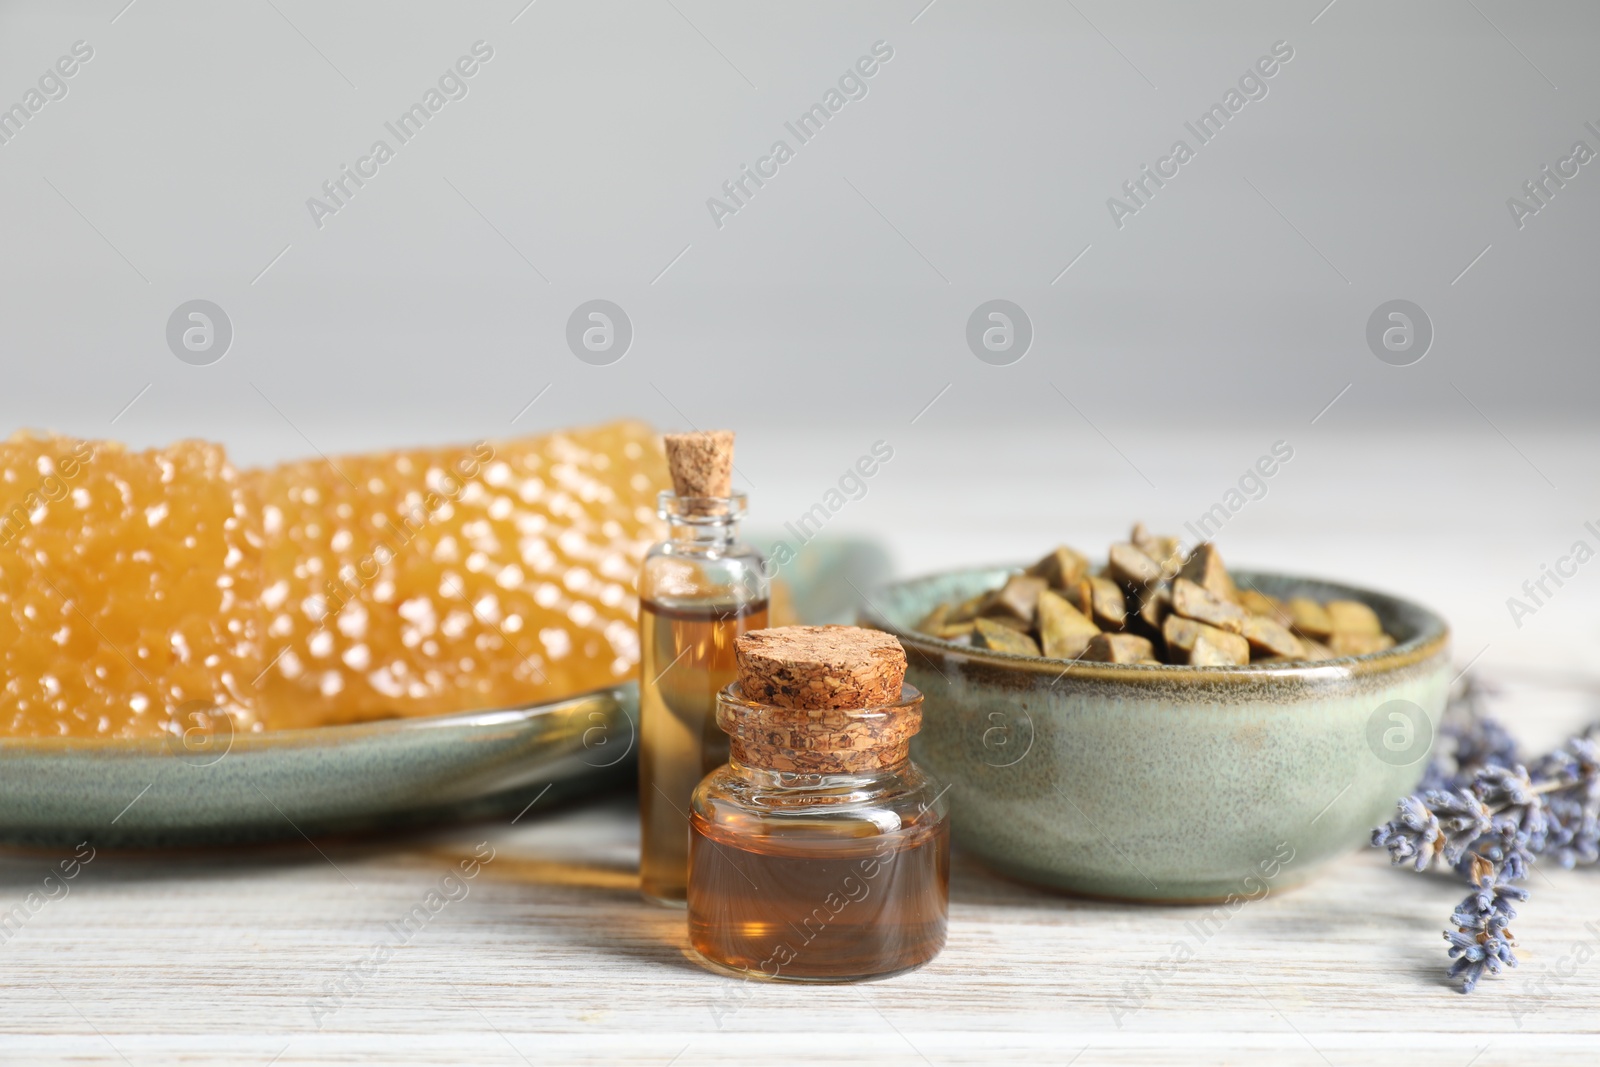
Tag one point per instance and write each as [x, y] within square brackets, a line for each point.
[549, 955]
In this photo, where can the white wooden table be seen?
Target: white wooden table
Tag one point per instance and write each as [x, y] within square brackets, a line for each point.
[551, 957]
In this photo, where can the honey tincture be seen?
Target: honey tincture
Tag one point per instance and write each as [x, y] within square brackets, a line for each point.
[698, 590]
[820, 852]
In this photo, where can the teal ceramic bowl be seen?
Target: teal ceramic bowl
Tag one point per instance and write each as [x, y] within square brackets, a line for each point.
[1169, 783]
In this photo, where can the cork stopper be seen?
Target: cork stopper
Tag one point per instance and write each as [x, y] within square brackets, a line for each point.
[701, 463]
[820, 699]
[820, 667]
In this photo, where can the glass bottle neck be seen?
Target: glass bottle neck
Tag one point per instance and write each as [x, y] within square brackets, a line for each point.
[700, 532]
[701, 521]
[842, 784]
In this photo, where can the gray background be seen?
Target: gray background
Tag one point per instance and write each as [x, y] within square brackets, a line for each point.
[832, 309]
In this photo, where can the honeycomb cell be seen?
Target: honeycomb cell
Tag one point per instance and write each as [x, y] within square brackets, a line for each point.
[129, 588]
[449, 579]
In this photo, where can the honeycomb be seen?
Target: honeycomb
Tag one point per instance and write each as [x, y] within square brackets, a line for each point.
[437, 580]
[128, 588]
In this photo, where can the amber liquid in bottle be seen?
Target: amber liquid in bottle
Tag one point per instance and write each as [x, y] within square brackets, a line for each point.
[821, 906]
[687, 656]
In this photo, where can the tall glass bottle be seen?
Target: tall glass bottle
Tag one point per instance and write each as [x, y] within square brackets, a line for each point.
[698, 590]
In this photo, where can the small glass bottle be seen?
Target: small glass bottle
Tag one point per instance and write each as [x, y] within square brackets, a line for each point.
[698, 590]
[825, 859]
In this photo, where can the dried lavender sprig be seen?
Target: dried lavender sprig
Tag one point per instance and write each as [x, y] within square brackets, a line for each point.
[1574, 837]
[1438, 825]
[1482, 939]
[1485, 815]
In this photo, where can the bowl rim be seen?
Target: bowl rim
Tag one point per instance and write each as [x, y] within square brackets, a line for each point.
[1432, 639]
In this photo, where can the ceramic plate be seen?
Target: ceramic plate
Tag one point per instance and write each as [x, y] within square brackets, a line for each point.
[328, 779]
